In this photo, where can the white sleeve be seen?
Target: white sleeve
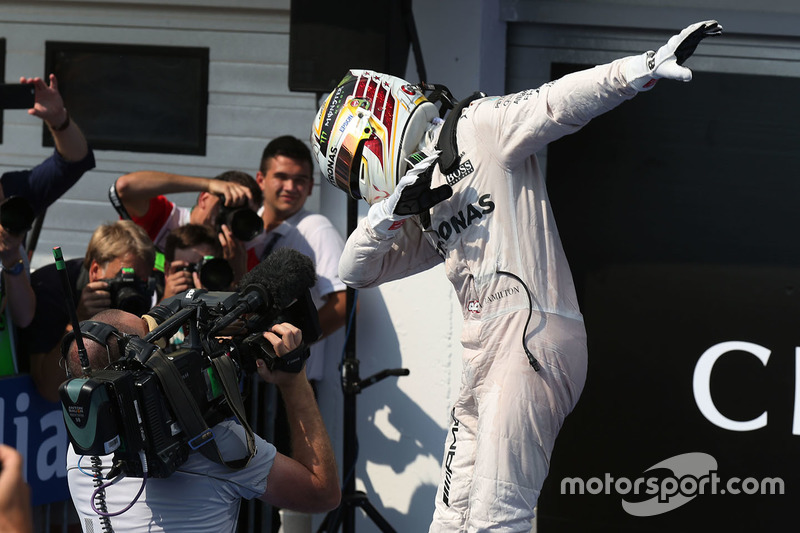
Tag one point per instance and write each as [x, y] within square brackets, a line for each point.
[368, 260]
[518, 125]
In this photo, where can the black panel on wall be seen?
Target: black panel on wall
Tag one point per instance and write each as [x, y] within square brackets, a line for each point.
[678, 213]
[137, 98]
[328, 38]
[3, 73]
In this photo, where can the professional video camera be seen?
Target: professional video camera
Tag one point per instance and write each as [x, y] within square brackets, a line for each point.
[215, 273]
[151, 408]
[129, 293]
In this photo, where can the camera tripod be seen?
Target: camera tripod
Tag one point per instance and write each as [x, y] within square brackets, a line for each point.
[352, 385]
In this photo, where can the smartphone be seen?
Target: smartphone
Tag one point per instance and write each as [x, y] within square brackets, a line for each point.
[17, 95]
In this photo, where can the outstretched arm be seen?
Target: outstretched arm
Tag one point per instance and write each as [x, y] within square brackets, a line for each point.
[137, 188]
[49, 180]
[307, 481]
[49, 106]
[520, 124]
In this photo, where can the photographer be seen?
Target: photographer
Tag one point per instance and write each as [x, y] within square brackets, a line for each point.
[140, 196]
[203, 495]
[185, 251]
[98, 283]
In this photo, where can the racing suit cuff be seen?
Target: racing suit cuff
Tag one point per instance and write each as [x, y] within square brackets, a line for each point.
[638, 71]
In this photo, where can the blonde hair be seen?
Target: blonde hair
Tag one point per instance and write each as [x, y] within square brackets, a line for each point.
[116, 239]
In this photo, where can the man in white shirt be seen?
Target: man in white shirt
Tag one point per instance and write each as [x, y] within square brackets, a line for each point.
[286, 181]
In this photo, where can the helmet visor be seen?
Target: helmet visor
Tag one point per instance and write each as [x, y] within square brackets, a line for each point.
[354, 133]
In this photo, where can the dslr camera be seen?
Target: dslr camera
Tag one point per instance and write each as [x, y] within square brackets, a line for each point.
[129, 293]
[245, 224]
[215, 273]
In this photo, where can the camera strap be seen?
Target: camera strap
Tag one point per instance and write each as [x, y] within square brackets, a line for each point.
[188, 414]
[226, 369]
[117, 202]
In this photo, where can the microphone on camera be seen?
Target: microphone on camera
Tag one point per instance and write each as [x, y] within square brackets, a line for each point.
[273, 285]
[282, 276]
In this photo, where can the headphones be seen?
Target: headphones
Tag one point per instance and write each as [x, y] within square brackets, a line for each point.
[98, 332]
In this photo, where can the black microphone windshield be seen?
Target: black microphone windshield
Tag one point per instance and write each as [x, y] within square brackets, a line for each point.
[284, 276]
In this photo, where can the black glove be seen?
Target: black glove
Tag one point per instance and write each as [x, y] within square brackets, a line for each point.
[417, 197]
[412, 196]
[688, 44]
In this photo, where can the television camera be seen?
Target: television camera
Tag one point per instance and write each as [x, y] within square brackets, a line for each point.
[153, 407]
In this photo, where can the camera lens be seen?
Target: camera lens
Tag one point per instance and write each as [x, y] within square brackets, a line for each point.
[131, 300]
[129, 293]
[243, 222]
[216, 274]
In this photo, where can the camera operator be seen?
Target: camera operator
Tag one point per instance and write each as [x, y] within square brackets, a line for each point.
[15, 494]
[203, 495]
[99, 281]
[140, 196]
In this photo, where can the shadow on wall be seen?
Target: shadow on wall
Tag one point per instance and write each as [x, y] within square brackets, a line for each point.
[393, 431]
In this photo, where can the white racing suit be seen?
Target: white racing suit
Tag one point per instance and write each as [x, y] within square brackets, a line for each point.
[502, 253]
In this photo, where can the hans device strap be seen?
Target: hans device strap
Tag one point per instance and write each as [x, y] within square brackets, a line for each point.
[449, 157]
[189, 416]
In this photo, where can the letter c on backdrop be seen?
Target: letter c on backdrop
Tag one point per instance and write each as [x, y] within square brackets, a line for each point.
[701, 385]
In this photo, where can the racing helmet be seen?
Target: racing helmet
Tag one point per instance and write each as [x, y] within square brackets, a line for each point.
[365, 130]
